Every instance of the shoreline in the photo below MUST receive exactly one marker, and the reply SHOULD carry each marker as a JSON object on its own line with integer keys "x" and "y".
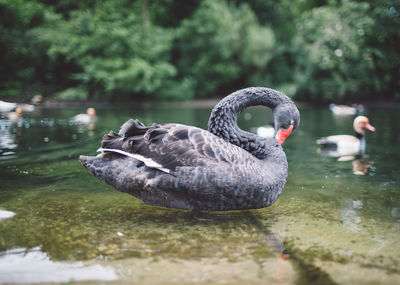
{"x": 198, "y": 103}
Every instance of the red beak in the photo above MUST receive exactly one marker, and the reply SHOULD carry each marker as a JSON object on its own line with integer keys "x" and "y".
{"x": 370, "y": 128}
{"x": 281, "y": 135}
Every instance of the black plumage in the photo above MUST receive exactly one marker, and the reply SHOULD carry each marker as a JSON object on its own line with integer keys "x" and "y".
{"x": 179, "y": 166}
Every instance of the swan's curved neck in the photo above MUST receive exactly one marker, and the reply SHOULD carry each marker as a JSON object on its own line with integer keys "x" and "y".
{"x": 223, "y": 119}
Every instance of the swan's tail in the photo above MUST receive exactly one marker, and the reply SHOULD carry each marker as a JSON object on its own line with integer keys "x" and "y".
{"x": 129, "y": 143}
{"x": 132, "y": 128}
{"x": 112, "y": 140}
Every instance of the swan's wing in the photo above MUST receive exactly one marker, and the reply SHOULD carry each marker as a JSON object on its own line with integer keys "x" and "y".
{"x": 173, "y": 145}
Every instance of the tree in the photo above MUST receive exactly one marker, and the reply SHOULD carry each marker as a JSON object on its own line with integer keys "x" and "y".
{"x": 335, "y": 60}
{"x": 222, "y": 45}
{"x": 115, "y": 47}
{"x": 22, "y": 55}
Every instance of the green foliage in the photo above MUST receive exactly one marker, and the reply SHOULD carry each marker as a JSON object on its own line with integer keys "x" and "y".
{"x": 384, "y": 41}
{"x": 314, "y": 50}
{"x": 220, "y": 44}
{"x": 21, "y": 55}
{"x": 73, "y": 93}
{"x": 114, "y": 52}
{"x": 335, "y": 61}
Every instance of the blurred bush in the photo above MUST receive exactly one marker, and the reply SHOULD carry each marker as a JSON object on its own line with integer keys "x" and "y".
{"x": 317, "y": 51}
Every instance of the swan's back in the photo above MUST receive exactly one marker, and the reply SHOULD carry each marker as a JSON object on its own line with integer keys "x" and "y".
{"x": 190, "y": 168}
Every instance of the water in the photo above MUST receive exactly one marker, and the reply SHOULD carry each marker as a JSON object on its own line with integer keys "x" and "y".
{"x": 59, "y": 224}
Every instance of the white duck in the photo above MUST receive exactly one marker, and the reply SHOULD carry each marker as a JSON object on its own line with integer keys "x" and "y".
{"x": 87, "y": 118}
{"x": 14, "y": 116}
{"x": 267, "y": 131}
{"x": 36, "y": 100}
{"x": 344, "y": 110}
{"x": 343, "y": 145}
{"x": 7, "y": 106}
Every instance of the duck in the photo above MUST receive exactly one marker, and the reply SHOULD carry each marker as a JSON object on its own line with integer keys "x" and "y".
{"x": 7, "y": 106}
{"x": 347, "y": 145}
{"x": 344, "y": 110}
{"x": 87, "y": 118}
{"x": 223, "y": 168}
{"x": 26, "y": 107}
{"x": 267, "y": 131}
{"x": 14, "y": 116}
{"x": 36, "y": 100}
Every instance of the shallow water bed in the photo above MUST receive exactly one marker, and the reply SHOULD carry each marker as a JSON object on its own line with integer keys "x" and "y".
{"x": 328, "y": 227}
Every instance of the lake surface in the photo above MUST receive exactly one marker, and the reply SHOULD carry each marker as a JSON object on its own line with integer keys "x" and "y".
{"x": 60, "y": 224}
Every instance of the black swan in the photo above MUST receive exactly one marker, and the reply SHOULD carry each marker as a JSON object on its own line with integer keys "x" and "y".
{"x": 185, "y": 167}
{"x": 343, "y": 145}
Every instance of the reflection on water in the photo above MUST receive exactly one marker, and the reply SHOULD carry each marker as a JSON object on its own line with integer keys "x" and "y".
{"x": 20, "y": 265}
{"x": 7, "y": 138}
{"x": 361, "y": 166}
{"x": 328, "y": 227}
{"x": 6, "y": 214}
{"x": 349, "y": 216}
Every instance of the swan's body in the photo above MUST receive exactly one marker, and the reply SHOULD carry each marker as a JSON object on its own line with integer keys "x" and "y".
{"x": 344, "y": 145}
{"x": 179, "y": 166}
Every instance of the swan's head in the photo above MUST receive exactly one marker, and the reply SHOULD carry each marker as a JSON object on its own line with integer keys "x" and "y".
{"x": 287, "y": 119}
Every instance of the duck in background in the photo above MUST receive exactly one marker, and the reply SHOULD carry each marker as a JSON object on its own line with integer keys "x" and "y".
{"x": 267, "y": 131}
{"x": 344, "y": 110}
{"x": 87, "y": 118}
{"x": 36, "y": 100}
{"x": 26, "y": 107}
{"x": 14, "y": 116}
{"x": 346, "y": 145}
{"x": 7, "y": 106}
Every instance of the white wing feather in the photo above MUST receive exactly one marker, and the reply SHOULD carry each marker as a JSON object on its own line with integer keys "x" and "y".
{"x": 147, "y": 161}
